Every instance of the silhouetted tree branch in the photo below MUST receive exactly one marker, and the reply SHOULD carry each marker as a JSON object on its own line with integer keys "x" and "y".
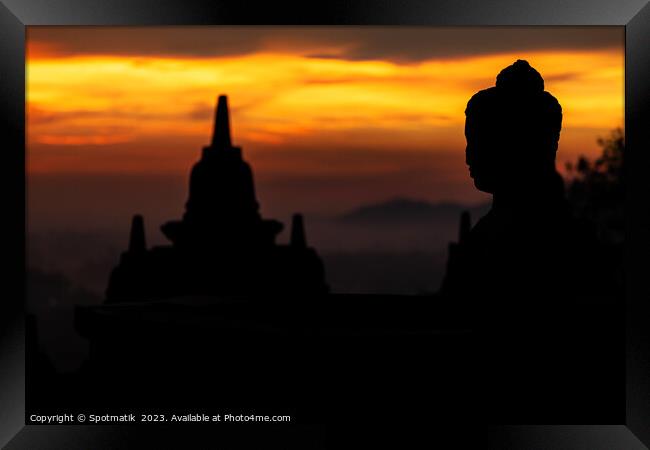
{"x": 596, "y": 191}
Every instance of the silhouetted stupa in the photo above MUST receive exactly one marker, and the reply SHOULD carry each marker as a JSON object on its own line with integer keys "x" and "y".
{"x": 222, "y": 245}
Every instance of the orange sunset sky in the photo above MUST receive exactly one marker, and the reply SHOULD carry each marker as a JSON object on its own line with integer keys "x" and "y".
{"x": 330, "y": 118}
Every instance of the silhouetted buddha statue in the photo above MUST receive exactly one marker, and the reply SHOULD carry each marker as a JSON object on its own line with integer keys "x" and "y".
{"x": 528, "y": 273}
{"x": 528, "y": 245}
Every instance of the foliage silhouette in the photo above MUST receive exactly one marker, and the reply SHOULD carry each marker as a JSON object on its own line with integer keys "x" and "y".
{"x": 596, "y": 188}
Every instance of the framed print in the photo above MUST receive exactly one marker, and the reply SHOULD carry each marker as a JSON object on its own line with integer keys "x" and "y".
{"x": 285, "y": 225}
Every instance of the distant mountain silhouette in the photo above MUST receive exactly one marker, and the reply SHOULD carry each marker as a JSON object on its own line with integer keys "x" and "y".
{"x": 406, "y": 210}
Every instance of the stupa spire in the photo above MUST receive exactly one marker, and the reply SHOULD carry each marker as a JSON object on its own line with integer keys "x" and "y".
{"x": 137, "y": 242}
{"x": 465, "y": 227}
{"x": 221, "y": 132}
{"x": 298, "y": 238}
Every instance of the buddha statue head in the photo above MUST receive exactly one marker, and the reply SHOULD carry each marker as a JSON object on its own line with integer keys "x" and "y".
{"x": 512, "y": 131}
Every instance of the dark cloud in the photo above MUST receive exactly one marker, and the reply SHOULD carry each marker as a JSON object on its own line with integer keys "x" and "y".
{"x": 145, "y": 41}
{"x": 323, "y": 56}
{"x": 398, "y": 44}
{"x": 201, "y": 112}
{"x": 568, "y": 76}
{"x": 38, "y": 116}
{"x": 408, "y": 45}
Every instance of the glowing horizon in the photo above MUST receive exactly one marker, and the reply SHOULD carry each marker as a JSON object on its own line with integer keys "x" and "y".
{"x": 298, "y": 109}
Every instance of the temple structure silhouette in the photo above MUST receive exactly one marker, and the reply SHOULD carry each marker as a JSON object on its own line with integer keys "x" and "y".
{"x": 221, "y": 245}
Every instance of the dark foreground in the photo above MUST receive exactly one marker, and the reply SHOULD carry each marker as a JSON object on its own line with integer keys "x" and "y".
{"x": 346, "y": 360}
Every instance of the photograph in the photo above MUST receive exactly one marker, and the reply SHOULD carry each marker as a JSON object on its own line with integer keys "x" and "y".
{"x": 325, "y": 224}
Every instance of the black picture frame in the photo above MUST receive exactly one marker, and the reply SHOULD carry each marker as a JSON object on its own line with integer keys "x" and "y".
{"x": 634, "y": 15}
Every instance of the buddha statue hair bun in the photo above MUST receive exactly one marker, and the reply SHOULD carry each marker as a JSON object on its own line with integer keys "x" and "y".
{"x": 519, "y": 106}
{"x": 520, "y": 79}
